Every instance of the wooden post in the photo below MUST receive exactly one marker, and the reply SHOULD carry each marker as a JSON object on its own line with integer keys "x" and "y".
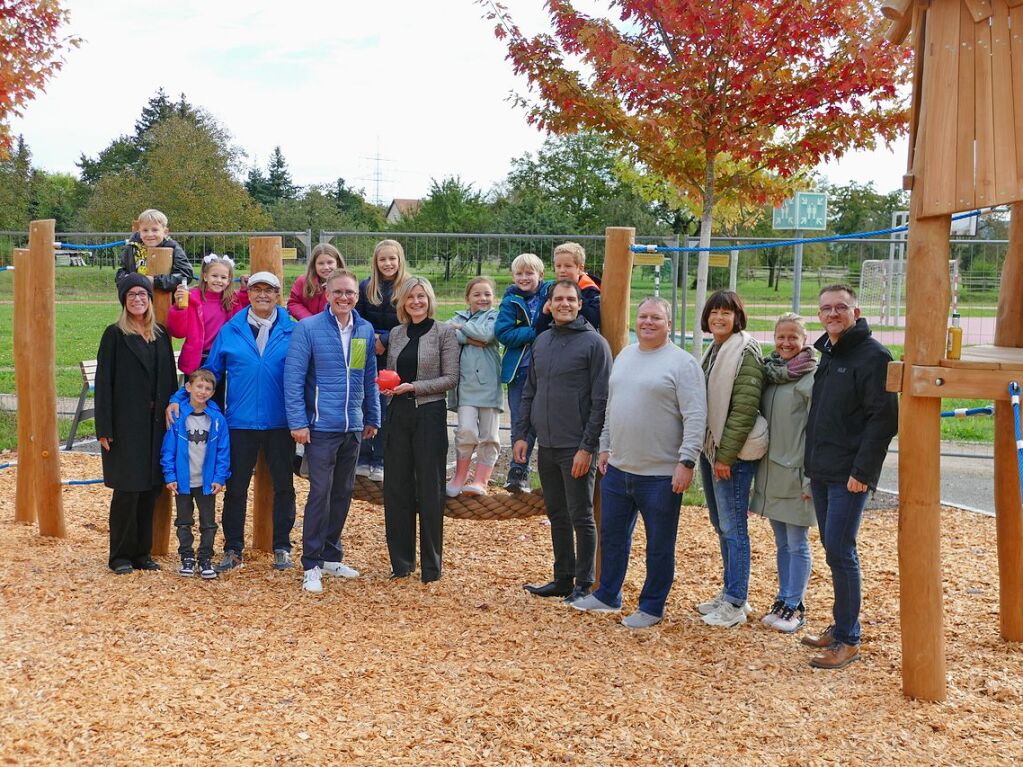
{"x": 615, "y": 308}
{"x": 1008, "y": 513}
{"x": 159, "y": 261}
{"x": 920, "y": 603}
{"x": 25, "y": 495}
{"x": 264, "y": 256}
{"x": 616, "y": 286}
{"x": 42, "y": 379}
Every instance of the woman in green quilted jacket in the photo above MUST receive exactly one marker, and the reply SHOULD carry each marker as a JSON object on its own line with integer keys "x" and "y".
{"x": 736, "y": 439}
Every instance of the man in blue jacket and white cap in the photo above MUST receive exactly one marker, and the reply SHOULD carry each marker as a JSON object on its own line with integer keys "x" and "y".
{"x": 250, "y": 349}
{"x": 333, "y": 404}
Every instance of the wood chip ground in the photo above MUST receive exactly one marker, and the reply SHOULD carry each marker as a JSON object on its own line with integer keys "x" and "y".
{"x": 156, "y": 669}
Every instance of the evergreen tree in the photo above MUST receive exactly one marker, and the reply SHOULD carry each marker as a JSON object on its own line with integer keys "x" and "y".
{"x": 258, "y": 187}
{"x": 15, "y": 195}
{"x": 278, "y": 177}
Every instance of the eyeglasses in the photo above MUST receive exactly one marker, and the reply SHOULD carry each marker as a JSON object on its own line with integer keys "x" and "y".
{"x": 133, "y": 294}
{"x": 836, "y": 309}
{"x": 344, "y": 293}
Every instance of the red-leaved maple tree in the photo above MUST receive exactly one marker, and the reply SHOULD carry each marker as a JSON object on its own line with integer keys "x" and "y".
{"x": 726, "y": 99}
{"x": 30, "y": 47}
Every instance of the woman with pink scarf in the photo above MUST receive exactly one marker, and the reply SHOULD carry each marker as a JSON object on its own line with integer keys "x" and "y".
{"x": 782, "y": 490}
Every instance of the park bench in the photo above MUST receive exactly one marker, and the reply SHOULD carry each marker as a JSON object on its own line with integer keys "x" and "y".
{"x": 83, "y": 413}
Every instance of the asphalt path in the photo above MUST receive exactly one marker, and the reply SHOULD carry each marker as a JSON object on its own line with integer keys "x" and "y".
{"x": 967, "y": 476}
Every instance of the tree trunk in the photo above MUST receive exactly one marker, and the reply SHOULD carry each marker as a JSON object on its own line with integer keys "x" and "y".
{"x": 702, "y": 268}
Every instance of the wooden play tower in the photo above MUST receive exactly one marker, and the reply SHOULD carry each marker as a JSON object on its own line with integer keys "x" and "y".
{"x": 966, "y": 152}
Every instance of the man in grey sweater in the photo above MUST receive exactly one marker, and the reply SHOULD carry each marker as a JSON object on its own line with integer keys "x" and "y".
{"x": 563, "y": 401}
{"x": 653, "y": 431}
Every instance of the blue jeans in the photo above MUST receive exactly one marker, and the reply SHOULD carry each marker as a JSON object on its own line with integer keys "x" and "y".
{"x": 728, "y": 504}
{"x": 794, "y": 561}
{"x": 514, "y": 398}
{"x": 622, "y": 495}
{"x": 838, "y": 516}
{"x": 371, "y": 452}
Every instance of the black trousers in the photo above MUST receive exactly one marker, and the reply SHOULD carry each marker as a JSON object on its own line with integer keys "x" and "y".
{"x": 415, "y": 456}
{"x": 569, "y": 502}
{"x": 183, "y": 521}
{"x": 131, "y": 526}
{"x": 279, "y": 448}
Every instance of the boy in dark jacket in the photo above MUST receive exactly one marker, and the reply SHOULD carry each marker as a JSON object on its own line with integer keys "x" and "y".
{"x": 152, "y": 233}
{"x": 196, "y": 460}
{"x": 570, "y": 264}
{"x": 517, "y": 327}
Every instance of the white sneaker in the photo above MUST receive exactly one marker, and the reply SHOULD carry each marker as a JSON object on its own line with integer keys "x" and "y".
{"x": 362, "y": 470}
{"x": 727, "y": 615}
{"x": 311, "y": 582}
{"x": 377, "y": 474}
{"x": 706, "y": 608}
{"x": 339, "y": 570}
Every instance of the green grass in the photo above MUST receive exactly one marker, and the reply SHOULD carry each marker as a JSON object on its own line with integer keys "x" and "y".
{"x": 9, "y": 430}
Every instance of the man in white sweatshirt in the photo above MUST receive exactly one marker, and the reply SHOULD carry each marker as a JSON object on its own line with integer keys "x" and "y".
{"x": 653, "y": 430}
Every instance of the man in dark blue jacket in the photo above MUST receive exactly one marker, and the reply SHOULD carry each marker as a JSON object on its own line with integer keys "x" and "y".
{"x": 852, "y": 420}
{"x": 250, "y": 349}
{"x": 333, "y": 404}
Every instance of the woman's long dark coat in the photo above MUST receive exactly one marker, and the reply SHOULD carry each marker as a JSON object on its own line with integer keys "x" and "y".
{"x": 128, "y": 412}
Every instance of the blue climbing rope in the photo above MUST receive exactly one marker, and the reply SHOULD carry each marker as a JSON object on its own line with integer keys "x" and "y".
{"x": 962, "y": 412}
{"x": 83, "y": 246}
{"x": 781, "y": 243}
{"x": 63, "y": 481}
{"x": 1014, "y": 398}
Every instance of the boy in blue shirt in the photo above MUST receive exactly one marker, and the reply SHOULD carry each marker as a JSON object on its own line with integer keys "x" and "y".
{"x": 570, "y": 264}
{"x": 196, "y": 461}
{"x": 518, "y": 318}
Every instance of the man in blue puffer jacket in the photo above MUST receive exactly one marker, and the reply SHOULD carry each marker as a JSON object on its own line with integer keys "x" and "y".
{"x": 332, "y": 404}
{"x": 250, "y": 349}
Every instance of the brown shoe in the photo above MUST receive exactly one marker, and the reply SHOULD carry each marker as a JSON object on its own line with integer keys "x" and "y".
{"x": 837, "y": 656}
{"x": 822, "y": 640}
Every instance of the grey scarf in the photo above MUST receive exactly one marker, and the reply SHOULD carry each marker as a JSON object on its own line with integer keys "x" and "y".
{"x": 263, "y": 327}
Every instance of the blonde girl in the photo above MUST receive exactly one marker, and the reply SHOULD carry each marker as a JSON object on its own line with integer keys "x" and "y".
{"x": 478, "y": 398}
{"x": 376, "y": 305}
{"x": 307, "y": 297}
{"x": 212, "y": 303}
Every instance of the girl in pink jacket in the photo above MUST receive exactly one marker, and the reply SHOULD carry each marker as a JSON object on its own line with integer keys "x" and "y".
{"x": 210, "y": 305}
{"x": 307, "y": 297}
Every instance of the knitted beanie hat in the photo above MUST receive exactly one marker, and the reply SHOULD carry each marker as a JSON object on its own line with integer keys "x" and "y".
{"x": 133, "y": 280}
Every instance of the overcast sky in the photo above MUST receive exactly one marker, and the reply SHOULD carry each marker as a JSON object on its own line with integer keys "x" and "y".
{"x": 422, "y": 85}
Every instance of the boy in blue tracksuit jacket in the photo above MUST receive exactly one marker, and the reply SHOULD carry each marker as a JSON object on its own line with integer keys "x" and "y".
{"x": 250, "y": 351}
{"x": 196, "y": 462}
{"x": 518, "y": 318}
{"x": 332, "y": 403}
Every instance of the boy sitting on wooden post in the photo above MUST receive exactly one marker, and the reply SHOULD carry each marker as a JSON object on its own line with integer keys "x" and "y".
{"x": 152, "y": 233}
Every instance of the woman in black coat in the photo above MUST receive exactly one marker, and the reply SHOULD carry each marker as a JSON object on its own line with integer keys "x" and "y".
{"x": 135, "y": 378}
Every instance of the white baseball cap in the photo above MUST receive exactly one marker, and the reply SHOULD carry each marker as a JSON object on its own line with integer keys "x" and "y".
{"x": 267, "y": 278}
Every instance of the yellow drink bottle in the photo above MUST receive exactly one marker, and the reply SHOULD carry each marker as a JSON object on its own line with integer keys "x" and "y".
{"x": 183, "y": 300}
{"x": 954, "y": 340}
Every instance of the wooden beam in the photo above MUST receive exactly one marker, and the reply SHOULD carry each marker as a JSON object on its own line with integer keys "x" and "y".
{"x": 43, "y": 379}
{"x": 966, "y": 383}
{"x": 159, "y": 261}
{"x": 1008, "y": 510}
{"x": 893, "y": 382}
{"x": 25, "y": 495}
{"x": 264, "y": 256}
{"x": 1006, "y": 179}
